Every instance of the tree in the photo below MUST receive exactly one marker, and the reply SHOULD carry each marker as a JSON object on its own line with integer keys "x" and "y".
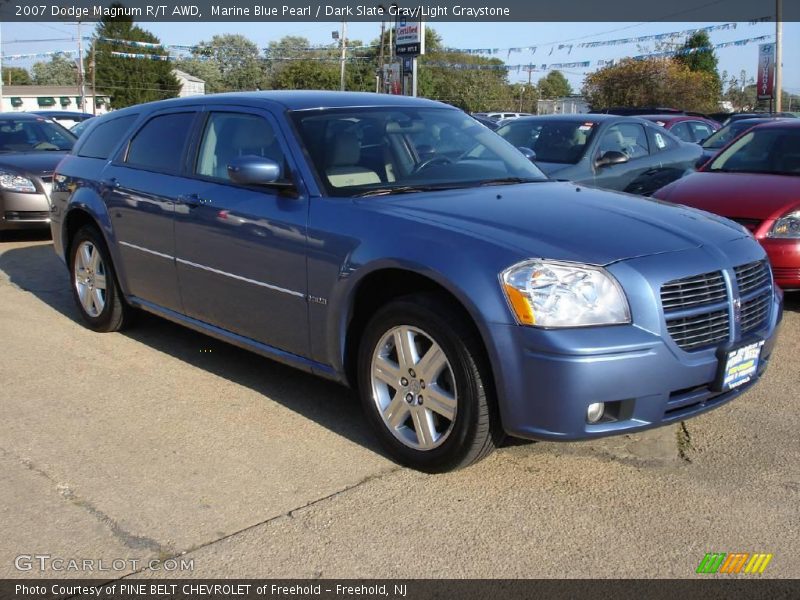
{"x": 699, "y": 56}
{"x": 651, "y": 82}
{"x": 554, "y": 85}
{"x": 16, "y": 76}
{"x": 131, "y": 80}
{"x": 239, "y": 61}
{"x": 59, "y": 71}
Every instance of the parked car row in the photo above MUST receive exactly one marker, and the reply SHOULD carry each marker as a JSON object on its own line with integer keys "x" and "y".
{"x": 398, "y": 246}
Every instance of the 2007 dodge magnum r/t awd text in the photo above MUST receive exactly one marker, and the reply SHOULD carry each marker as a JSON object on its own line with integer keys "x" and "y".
{"x": 398, "y": 246}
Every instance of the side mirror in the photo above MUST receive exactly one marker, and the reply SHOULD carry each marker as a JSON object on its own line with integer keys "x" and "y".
{"x": 528, "y": 152}
{"x": 612, "y": 157}
{"x": 255, "y": 170}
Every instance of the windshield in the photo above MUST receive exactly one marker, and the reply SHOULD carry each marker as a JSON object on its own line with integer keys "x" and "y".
{"x": 33, "y": 135}
{"x": 727, "y": 134}
{"x": 552, "y": 141}
{"x": 404, "y": 149}
{"x": 770, "y": 150}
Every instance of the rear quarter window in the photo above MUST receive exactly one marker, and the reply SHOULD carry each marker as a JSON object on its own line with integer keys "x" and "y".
{"x": 159, "y": 144}
{"x": 103, "y": 138}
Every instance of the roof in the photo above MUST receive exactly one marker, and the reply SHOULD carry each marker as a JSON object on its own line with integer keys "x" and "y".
{"x": 44, "y": 90}
{"x": 187, "y": 77}
{"x": 575, "y": 118}
{"x": 21, "y": 116}
{"x": 65, "y": 114}
{"x": 777, "y": 124}
{"x": 295, "y": 100}
{"x": 668, "y": 118}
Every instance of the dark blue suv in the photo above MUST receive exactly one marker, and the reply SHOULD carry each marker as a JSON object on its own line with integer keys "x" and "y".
{"x": 398, "y": 246}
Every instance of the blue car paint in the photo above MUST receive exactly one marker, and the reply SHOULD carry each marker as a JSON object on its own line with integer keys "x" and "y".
{"x": 462, "y": 240}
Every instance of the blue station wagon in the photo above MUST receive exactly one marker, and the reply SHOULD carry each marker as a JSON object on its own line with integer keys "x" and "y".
{"x": 399, "y": 247}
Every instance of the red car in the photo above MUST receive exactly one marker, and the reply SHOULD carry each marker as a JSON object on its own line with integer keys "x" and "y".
{"x": 687, "y": 128}
{"x": 755, "y": 181}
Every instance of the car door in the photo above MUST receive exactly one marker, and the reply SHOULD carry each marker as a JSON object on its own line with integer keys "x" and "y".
{"x": 140, "y": 187}
{"x": 629, "y": 138}
{"x": 241, "y": 250}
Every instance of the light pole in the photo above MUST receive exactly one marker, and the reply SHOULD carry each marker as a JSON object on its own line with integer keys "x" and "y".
{"x": 344, "y": 55}
{"x": 778, "y": 53}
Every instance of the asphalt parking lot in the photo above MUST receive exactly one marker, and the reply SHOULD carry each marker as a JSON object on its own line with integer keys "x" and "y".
{"x": 159, "y": 442}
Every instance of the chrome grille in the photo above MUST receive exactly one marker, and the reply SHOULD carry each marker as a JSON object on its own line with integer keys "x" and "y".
{"x": 754, "y": 312}
{"x": 752, "y": 276}
{"x": 696, "y": 331}
{"x": 693, "y": 291}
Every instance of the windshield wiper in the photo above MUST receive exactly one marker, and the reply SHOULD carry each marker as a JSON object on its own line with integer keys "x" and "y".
{"x": 402, "y": 189}
{"x": 509, "y": 181}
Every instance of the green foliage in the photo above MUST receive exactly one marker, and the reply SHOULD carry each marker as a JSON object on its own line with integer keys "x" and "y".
{"x": 238, "y": 62}
{"x": 470, "y": 89}
{"x": 653, "y": 82}
{"x": 16, "y": 76}
{"x": 704, "y": 61}
{"x": 554, "y": 85}
{"x": 58, "y": 71}
{"x": 131, "y": 81}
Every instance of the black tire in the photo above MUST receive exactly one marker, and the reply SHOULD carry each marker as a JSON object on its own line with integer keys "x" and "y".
{"x": 116, "y": 313}
{"x": 475, "y": 429}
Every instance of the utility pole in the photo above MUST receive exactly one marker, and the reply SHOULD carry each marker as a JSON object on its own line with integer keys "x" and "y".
{"x": 80, "y": 69}
{"x": 380, "y": 60}
{"x": 94, "y": 79}
{"x": 1, "y": 71}
{"x": 344, "y": 55}
{"x": 778, "y": 53}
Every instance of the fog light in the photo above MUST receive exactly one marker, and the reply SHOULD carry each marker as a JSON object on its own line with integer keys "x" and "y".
{"x": 595, "y": 412}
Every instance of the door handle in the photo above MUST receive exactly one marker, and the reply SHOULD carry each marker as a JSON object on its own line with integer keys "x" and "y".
{"x": 111, "y": 182}
{"x": 190, "y": 200}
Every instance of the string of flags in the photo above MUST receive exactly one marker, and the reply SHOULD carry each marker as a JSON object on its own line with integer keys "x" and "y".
{"x": 269, "y": 55}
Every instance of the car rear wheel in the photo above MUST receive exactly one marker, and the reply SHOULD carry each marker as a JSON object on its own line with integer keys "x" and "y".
{"x": 425, "y": 385}
{"x": 94, "y": 283}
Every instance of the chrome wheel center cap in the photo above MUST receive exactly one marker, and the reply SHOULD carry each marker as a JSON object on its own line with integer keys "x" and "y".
{"x": 415, "y": 387}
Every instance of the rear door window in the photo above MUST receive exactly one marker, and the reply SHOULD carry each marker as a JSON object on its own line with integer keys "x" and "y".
{"x": 159, "y": 145}
{"x": 628, "y": 138}
{"x": 682, "y": 131}
{"x": 700, "y": 130}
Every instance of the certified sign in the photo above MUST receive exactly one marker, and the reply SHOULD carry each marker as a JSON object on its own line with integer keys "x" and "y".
{"x": 766, "y": 71}
{"x": 410, "y": 37}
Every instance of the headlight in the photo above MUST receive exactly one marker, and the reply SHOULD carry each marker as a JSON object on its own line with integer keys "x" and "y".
{"x": 16, "y": 183}
{"x": 559, "y": 294}
{"x": 787, "y": 227}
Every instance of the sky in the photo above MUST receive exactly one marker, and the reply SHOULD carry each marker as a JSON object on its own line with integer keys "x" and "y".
{"x": 15, "y": 38}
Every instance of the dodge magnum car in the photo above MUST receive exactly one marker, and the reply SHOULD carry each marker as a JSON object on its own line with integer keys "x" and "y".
{"x": 397, "y": 246}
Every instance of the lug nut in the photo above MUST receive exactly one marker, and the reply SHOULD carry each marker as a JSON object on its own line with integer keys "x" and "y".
{"x": 409, "y": 398}
{"x": 412, "y": 373}
{"x": 419, "y": 400}
{"x": 422, "y": 383}
{"x": 404, "y": 382}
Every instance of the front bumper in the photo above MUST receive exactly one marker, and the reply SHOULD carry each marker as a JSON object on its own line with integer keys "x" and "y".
{"x": 24, "y": 211}
{"x": 546, "y": 379}
{"x": 784, "y": 256}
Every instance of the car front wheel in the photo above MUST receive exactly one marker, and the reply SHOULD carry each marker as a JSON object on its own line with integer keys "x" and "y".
{"x": 425, "y": 385}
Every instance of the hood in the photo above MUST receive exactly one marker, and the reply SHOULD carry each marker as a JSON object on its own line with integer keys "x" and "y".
{"x": 566, "y": 222}
{"x": 745, "y": 195}
{"x": 35, "y": 163}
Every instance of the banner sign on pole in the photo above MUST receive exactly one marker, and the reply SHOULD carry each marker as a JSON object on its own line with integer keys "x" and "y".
{"x": 766, "y": 71}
